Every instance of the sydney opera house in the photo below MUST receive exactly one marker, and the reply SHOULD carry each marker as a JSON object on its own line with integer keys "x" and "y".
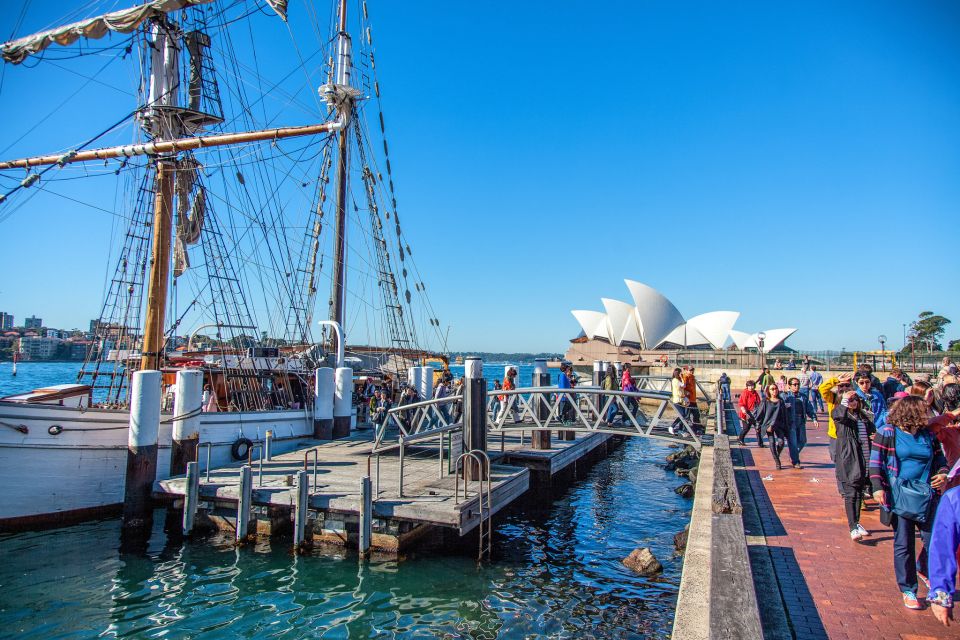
{"x": 653, "y": 323}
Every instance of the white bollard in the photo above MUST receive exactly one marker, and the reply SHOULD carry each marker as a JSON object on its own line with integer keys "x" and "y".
{"x": 324, "y": 388}
{"x": 141, "y": 448}
{"x": 342, "y": 401}
{"x": 425, "y": 388}
{"x": 187, "y": 404}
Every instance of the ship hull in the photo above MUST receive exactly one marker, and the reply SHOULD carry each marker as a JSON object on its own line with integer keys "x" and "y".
{"x": 52, "y": 479}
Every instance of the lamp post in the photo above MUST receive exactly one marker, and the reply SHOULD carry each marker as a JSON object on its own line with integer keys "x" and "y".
{"x": 760, "y": 338}
{"x": 882, "y": 339}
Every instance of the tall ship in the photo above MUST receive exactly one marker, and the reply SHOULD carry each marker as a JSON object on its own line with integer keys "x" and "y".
{"x": 234, "y": 215}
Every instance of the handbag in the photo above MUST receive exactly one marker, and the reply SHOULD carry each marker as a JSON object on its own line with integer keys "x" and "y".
{"x": 912, "y": 499}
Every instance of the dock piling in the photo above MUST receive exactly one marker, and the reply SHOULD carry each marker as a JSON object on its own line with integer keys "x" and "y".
{"x": 267, "y": 441}
{"x": 366, "y": 515}
{"x": 342, "y": 402}
{"x": 141, "y": 448}
{"x": 474, "y": 416}
{"x": 191, "y": 497}
{"x": 244, "y": 502}
{"x": 323, "y": 392}
{"x": 187, "y": 405}
{"x": 300, "y": 516}
{"x": 541, "y": 378}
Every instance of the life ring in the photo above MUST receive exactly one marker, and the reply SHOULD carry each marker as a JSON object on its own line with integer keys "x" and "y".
{"x": 241, "y": 449}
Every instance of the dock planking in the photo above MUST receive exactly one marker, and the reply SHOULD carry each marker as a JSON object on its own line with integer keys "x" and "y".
{"x": 429, "y": 497}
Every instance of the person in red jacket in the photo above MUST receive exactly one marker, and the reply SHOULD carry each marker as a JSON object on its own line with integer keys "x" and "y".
{"x": 749, "y": 400}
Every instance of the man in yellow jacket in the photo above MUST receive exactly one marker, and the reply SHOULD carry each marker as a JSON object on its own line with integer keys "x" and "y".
{"x": 831, "y": 391}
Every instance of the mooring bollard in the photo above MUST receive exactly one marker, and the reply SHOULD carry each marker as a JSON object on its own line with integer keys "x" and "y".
{"x": 366, "y": 516}
{"x": 474, "y": 417}
{"x": 301, "y": 503}
{"x": 141, "y": 448}
{"x": 425, "y": 388}
{"x": 323, "y": 393}
{"x": 191, "y": 497}
{"x": 541, "y": 378}
{"x": 342, "y": 402}
{"x": 244, "y": 501}
{"x": 267, "y": 441}
{"x": 187, "y": 405}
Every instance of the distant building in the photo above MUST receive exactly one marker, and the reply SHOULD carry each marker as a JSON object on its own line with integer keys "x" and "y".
{"x": 6, "y": 321}
{"x": 32, "y": 322}
{"x": 79, "y": 349}
{"x": 37, "y": 348}
{"x": 56, "y": 333}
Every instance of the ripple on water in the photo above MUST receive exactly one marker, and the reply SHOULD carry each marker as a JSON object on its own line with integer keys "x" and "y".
{"x": 557, "y": 572}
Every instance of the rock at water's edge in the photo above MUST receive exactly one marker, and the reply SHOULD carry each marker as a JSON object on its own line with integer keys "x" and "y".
{"x": 685, "y": 490}
{"x": 680, "y": 539}
{"x": 643, "y": 562}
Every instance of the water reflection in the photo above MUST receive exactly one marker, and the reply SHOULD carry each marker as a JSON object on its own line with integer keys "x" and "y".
{"x": 556, "y": 572}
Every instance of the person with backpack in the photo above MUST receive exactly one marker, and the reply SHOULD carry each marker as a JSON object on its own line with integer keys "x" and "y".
{"x": 907, "y": 469}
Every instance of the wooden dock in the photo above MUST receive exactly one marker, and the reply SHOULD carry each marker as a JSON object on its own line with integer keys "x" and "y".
{"x": 334, "y": 497}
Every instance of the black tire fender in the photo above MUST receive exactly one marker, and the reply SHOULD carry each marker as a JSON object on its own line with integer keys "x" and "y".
{"x": 241, "y": 448}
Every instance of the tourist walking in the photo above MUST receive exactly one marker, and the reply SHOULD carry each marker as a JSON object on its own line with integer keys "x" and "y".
{"x": 774, "y": 421}
{"x": 897, "y": 381}
{"x": 690, "y": 387}
{"x": 610, "y": 383}
{"x": 942, "y": 558}
{"x": 495, "y": 405}
{"x": 800, "y": 409}
{"x": 816, "y": 379}
{"x": 831, "y": 391}
{"x": 678, "y": 397}
{"x": 724, "y": 383}
{"x": 851, "y": 461}
{"x": 765, "y": 379}
{"x": 627, "y": 384}
{"x": 746, "y": 410}
{"x": 907, "y": 468}
{"x": 782, "y": 384}
{"x": 509, "y": 402}
{"x": 873, "y": 399}
{"x": 566, "y": 399}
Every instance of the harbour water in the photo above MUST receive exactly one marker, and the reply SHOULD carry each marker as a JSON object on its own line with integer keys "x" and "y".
{"x": 556, "y": 571}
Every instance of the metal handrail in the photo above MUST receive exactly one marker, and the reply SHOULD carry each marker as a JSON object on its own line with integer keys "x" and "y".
{"x": 591, "y": 418}
{"x": 256, "y": 445}
{"x": 426, "y": 413}
{"x": 209, "y": 446}
{"x": 316, "y": 460}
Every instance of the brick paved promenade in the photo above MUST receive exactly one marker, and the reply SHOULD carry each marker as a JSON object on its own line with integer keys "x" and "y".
{"x": 829, "y": 586}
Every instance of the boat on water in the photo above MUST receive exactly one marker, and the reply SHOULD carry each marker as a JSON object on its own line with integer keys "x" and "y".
{"x": 226, "y": 215}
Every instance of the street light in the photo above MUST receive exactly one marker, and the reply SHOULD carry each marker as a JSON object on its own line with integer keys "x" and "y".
{"x": 882, "y": 339}
{"x": 760, "y": 338}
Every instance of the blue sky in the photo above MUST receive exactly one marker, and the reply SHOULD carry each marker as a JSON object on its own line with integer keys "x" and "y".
{"x": 796, "y": 162}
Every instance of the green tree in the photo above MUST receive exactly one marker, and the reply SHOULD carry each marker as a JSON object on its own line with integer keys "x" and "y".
{"x": 954, "y": 345}
{"x": 929, "y": 327}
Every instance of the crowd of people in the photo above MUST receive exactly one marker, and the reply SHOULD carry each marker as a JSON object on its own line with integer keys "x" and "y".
{"x": 894, "y": 443}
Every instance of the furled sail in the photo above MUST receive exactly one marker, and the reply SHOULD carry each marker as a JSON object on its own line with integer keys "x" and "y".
{"x": 190, "y": 212}
{"x": 123, "y": 21}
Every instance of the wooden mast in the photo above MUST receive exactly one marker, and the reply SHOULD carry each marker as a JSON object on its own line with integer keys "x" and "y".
{"x": 152, "y": 353}
{"x": 345, "y": 102}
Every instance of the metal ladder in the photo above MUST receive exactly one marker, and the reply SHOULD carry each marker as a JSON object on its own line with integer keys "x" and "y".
{"x": 483, "y": 499}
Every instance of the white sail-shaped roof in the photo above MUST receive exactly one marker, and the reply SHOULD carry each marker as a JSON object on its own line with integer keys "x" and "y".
{"x": 685, "y": 336}
{"x": 657, "y": 315}
{"x": 593, "y": 323}
{"x": 743, "y": 339}
{"x": 775, "y": 338}
{"x": 714, "y": 327}
{"x": 623, "y": 321}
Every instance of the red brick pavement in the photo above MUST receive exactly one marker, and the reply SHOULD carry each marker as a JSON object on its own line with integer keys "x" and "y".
{"x": 831, "y": 586}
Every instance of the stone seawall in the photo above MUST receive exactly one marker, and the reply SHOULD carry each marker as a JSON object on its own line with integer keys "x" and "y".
{"x": 717, "y": 598}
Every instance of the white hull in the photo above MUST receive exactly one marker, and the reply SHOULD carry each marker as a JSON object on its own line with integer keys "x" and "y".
{"x": 80, "y": 471}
